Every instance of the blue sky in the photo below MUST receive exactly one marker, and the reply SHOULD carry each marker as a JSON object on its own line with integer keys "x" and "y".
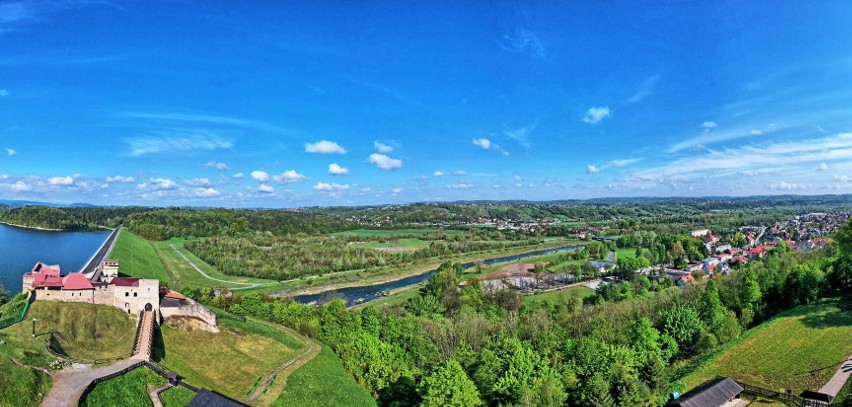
{"x": 321, "y": 103}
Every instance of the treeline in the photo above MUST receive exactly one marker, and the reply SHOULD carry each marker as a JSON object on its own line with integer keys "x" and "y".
{"x": 69, "y": 218}
{"x": 266, "y": 255}
{"x": 164, "y": 224}
{"x": 455, "y": 345}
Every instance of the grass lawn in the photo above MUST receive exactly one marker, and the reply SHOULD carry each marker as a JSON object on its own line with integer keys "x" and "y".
{"x": 138, "y": 259}
{"x": 799, "y": 349}
{"x": 394, "y": 232}
{"x": 84, "y": 331}
{"x": 557, "y": 296}
{"x": 19, "y": 385}
{"x": 176, "y": 397}
{"x": 187, "y": 276}
{"x": 625, "y": 252}
{"x": 130, "y": 389}
{"x": 323, "y": 382}
{"x": 232, "y": 361}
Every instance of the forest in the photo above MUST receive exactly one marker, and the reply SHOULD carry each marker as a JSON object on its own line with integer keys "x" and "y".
{"x": 265, "y": 255}
{"x": 465, "y": 345}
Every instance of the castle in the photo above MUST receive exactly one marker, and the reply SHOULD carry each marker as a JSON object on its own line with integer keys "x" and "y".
{"x": 104, "y": 286}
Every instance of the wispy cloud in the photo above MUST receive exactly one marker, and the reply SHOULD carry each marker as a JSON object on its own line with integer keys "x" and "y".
{"x": 645, "y": 90}
{"x": 707, "y": 137}
{"x": 206, "y": 192}
{"x": 623, "y": 163}
{"x": 592, "y": 169}
{"x": 520, "y": 134}
{"x": 11, "y": 153}
{"x": 212, "y": 119}
{"x": 438, "y": 173}
{"x": 486, "y": 144}
{"x": 596, "y": 114}
{"x": 382, "y": 147}
{"x": 322, "y": 186}
{"x": 460, "y": 185}
{"x": 4, "y": 93}
{"x": 158, "y": 184}
{"x": 215, "y": 165}
{"x": 176, "y": 140}
{"x": 523, "y": 41}
{"x": 459, "y": 173}
{"x": 198, "y": 182}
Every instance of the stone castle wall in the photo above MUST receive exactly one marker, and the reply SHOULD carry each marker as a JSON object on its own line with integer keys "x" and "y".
{"x": 194, "y": 310}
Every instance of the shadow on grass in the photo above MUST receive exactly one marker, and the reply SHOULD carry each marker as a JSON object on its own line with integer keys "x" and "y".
{"x": 158, "y": 346}
{"x": 828, "y": 313}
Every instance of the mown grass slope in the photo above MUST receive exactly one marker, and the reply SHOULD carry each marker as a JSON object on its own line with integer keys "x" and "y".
{"x": 799, "y": 349}
{"x": 20, "y": 385}
{"x": 130, "y": 389}
{"x": 176, "y": 397}
{"x": 137, "y": 258}
{"x": 323, "y": 382}
{"x": 232, "y": 361}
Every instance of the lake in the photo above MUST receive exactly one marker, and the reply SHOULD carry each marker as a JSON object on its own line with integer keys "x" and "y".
{"x": 21, "y": 248}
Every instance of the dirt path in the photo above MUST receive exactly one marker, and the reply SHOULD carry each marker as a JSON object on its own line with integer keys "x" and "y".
{"x": 247, "y": 285}
{"x": 69, "y": 384}
{"x": 281, "y": 373}
{"x": 154, "y": 393}
{"x": 839, "y": 379}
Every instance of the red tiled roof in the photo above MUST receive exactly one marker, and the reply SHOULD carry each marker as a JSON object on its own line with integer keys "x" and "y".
{"x": 76, "y": 281}
{"x": 125, "y": 282}
{"x": 176, "y": 295}
{"x": 46, "y": 276}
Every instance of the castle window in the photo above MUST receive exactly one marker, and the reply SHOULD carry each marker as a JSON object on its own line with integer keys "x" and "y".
{"x": 126, "y": 294}
{"x": 134, "y": 294}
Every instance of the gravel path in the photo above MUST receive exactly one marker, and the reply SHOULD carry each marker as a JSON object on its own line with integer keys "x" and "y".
{"x": 69, "y": 384}
{"x": 840, "y": 377}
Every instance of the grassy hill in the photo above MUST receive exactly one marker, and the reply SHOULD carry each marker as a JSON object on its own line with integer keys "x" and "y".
{"x": 799, "y": 349}
{"x": 138, "y": 258}
{"x": 323, "y": 381}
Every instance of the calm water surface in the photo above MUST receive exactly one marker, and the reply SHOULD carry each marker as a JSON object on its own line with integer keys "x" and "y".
{"x": 21, "y": 248}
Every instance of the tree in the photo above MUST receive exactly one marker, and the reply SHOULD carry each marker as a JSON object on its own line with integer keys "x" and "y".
{"x": 449, "y": 386}
{"x": 684, "y": 325}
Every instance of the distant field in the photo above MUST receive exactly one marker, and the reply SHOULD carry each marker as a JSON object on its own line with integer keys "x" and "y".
{"x": 557, "y": 296}
{"x": 186, "y": 276}
{"x": 799, "y": 349}
{"x": 407, "y": 244}
{"x": 323, "y": 382}
{"x": 232, "y": 361}
{"x": 394, "y": 232}
{"x": 625, "y": 252}
{"x": 137, "y": 258}
{"x": 130, "y": 389}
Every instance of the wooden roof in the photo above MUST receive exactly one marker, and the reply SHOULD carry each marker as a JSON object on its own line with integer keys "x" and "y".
{"x": 712, "y": 393}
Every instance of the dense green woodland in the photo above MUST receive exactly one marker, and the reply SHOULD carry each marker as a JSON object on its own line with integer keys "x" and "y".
{"x": 469, "y": 346}
{"x": 72, "y": 218}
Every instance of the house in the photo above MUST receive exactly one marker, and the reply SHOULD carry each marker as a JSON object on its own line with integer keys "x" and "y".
{"x": 722, "y": 248}
{"x": 684, "y": 280}
{"x": 757, "y": 252}
{"x": 699, "y": 233}
{"x": 711, "y": 239}
{"x": 718, "y": 392}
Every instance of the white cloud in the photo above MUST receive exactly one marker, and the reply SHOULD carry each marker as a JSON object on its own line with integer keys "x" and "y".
{"x": 238, "y": 175}
{"x": 756, "y": 132}
{"x": 787, "y": 186}
{"x": 198, "y": 182}
{"x": 459, "y": 173}
{"x": 382, "y": 147}
{"x": 707, "y": 138}
{"x": 261, "y": 176}
{"x": 11, "y": 153}
{"x": 61, "y": 181}
{"x": 335, "y": 169}
{"x": 592, "y": 169}
{"x": 438, "y": 173}
{"x": 266, "y": 189}
{"x": 158, "y": 184}
{"x": 217, "y": 166}
{"x": 4, "y": 93}
{"x": 288, "y": 176}
{"x": 176, "y": 140}
{"x": 120, "y": 179}
{"x": 206, "y": 192}
{"x": 708, "y": 125}
{"x": 367, "y": 189}
{"x": 384, "y": 162}
{"x": 595, "y": 114}
{"x": 460, "y": 185}
{"x": 486, "y": 144}
{"x": 482, "y": 142}
{"x": 21, "y": 186}
{"x": 324, "y": 147}
{"x": 322, "y": 186}
{"x": 396, "y": 191}
{"x": 821, "y": 167}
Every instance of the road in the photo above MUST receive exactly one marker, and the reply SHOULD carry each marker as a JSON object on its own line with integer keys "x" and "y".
{"x": 247, "y": 285}
{"x": 840, "y": 377}
{"x": 101, "y": 254}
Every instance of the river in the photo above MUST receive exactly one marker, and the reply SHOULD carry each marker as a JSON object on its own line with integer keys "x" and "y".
{"x": 21, "y": 248}
{"x": 360, "y": 294}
